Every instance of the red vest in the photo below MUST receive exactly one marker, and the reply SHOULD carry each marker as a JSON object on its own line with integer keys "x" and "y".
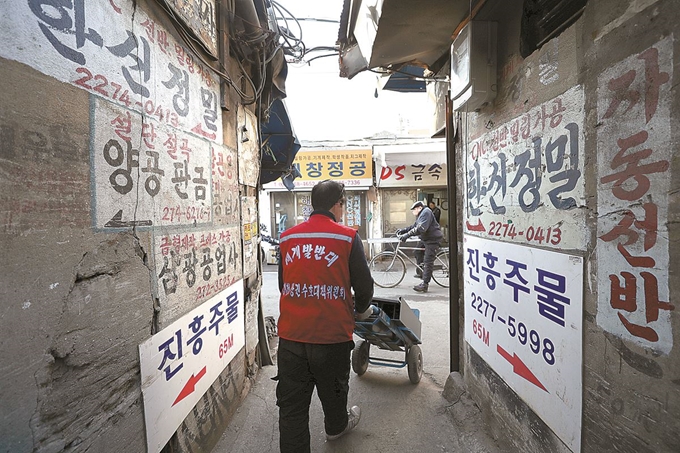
{"x": 316, "y": 301}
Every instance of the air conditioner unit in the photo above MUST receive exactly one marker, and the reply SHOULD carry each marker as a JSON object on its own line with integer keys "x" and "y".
{"x": 473, "y": 66}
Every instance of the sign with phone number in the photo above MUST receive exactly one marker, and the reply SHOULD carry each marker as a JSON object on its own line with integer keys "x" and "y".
{"x": 525, "y": 182}
{"x": 523, "y": 316}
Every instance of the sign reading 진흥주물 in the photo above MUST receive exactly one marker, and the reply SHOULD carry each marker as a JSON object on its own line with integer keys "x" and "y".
{"x": 179, "y": 363}
{"x": 523, "y": 316}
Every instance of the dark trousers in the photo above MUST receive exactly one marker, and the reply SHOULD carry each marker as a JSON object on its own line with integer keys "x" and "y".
{"x": 301, "y": 367}
{"x": 425, "y": 258}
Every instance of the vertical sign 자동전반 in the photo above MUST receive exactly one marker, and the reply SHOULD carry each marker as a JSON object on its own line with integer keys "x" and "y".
{"x": 634, "y": 102}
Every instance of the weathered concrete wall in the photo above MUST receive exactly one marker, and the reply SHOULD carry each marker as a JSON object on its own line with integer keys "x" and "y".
{"x": 94, "y": 248}
{"x": 620, "y": 217}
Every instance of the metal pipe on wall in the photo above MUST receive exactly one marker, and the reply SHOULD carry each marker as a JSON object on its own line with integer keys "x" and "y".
{"x": 454, "y": 290}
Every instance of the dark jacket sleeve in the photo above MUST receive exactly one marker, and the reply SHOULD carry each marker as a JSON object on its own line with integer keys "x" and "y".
{"x": 423, "y": 223}
{"x": 360, "y": 276}
{"x": 280, "y": 274}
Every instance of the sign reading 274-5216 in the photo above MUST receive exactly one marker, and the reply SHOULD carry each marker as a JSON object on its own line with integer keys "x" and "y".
{"x": 523, "y": 315}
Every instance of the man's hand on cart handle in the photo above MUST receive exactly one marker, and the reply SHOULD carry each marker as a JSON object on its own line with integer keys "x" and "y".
{"x": 365, "y": 315}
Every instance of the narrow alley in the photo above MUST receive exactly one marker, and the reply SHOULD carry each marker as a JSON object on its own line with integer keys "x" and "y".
{"x": 396, "y": 415}
{"x": 158, "y": 156}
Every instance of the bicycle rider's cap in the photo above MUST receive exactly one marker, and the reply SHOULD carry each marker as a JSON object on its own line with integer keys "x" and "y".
{"x": 417, "y": 204}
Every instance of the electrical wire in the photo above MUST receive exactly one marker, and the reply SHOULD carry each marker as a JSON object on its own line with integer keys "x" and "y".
{"x": 293, "y": 46}
{"x": 263, "y": 44}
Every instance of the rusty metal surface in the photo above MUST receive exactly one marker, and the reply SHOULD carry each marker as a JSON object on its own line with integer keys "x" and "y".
{"x": 200, "y": 17}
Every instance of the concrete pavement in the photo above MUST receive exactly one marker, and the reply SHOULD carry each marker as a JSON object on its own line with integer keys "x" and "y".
{"x": 396, "y": 414}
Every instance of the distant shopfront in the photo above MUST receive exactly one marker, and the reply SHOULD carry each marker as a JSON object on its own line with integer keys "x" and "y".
{"x": 351, "y": 167}
{"x": 406, "y": 173}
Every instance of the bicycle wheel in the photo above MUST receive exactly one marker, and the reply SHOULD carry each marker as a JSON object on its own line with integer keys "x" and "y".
{"x": 387, "y": 269}
{"x": 440, "y": 269}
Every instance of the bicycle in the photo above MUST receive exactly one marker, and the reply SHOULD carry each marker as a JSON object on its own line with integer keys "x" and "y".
{"x": 388, "y": 268}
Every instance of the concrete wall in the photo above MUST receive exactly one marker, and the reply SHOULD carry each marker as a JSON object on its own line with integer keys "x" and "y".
{"x": 615, "y": 70}
{"x": 88, "y": 273}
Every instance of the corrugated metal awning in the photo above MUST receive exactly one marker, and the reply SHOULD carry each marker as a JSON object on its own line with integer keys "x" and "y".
{"x": 397, "y": 32}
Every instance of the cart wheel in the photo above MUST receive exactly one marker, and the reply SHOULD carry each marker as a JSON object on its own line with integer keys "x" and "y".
{"x": 414, "y": 359}
{"x": 360, "y": 357}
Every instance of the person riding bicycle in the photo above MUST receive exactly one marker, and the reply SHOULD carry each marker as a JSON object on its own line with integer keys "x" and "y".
{"x": 427, "y": 228}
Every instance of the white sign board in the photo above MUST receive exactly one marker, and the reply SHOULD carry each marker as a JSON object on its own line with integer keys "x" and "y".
{"x": 182, "y": 361}
{"x": 523, "y": 316}
{"x": 413, "y": 175}
{"x": 525, "y": 179}
{"x": 634, "y": 105}
{"x": 146, "y": 173}
{"x": 137, "y": 64}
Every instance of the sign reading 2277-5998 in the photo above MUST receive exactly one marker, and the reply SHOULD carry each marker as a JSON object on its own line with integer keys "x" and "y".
{"x": 523, "y": 316}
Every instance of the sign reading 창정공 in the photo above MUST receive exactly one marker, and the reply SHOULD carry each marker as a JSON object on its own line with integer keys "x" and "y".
{"x": 179, "y": 363}
{"x": 523, "y": 316}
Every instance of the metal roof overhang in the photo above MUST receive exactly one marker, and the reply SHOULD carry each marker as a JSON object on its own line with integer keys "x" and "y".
{"x": 410, "y": 154}
{"x": 397, "y": 32}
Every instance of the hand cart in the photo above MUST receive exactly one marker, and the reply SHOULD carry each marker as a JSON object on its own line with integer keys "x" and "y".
{"x": 392, "y": 326}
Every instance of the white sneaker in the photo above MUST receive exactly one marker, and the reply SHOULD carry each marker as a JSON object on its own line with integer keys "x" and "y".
{"x": 353, "y": 416}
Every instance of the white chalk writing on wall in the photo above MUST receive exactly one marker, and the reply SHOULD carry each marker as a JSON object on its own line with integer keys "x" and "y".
{"x": 146, "y": 173}
{"x": 139, "y": 65}
{"x": 193, "y": 266}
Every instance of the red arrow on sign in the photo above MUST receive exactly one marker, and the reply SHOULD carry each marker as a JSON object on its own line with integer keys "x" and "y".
{"x": 519, "y": 368}
{"x": 478, "y": 227}
{"x": 190, "y": 386}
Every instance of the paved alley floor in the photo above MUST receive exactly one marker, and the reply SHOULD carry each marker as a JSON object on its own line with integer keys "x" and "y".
{"x": 397, "y": 416}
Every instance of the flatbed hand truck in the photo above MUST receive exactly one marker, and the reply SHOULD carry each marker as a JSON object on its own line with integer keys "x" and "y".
{"x": 392, "y": 326}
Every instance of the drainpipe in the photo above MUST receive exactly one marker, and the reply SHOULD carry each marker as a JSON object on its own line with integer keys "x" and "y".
{"x": 454, "y": 282}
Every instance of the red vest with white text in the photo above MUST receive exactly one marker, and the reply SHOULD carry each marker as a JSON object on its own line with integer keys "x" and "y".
{"x": 316, "y": 301}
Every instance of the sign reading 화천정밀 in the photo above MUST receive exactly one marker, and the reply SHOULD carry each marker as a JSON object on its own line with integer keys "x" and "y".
{"x": 180, "y": 363}
{"x": 523, "y": 316}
